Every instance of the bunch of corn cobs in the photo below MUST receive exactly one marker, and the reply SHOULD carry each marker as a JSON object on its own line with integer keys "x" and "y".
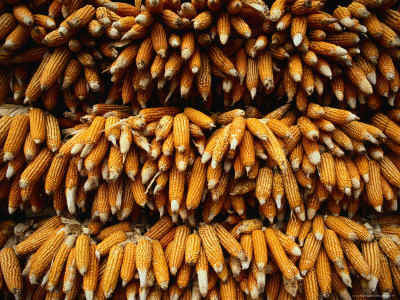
{"x": 218, "y": 149}
{"x": 234, "y": 259}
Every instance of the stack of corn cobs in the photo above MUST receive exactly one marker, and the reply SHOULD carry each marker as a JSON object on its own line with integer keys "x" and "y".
{"x": 334, "y": 257}
{"x": 120, "y": 52}
{"x": 234, "y": 149}
{"x": 113, "y": 164}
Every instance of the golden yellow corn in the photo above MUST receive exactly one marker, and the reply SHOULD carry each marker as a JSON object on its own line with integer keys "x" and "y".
{"x": 390, "y": 249}
{"x": 11, "y": 271}
{"x": 128, "y": 263}
{"x": 114, "y": 238}
{"x": 37, "y": 125}
{"x": 160, "y": 266}
{"x": 15, "y": 138}
{"x": 45, "y": 254}
{"x": 355, "y": 257}
{"x": 309, "y": 254}
{"x": 179, "y": 242}
{"x": 192, "y": 248}
{"x": 70, "y": 272}
{"x": 82, "y": 253}
{"x": 374, "y": 187}
{"x": 288, "y": 244}
{"x": 229, "y": 242}
{"x": 36, "y": 168}
{"x": 212, "y": 248}
{"x": 58, "y": 262}
{"x": 385, "y": 282}
{"x": 90, "y": 278}
{"x": 340, "y": 228}
{"x": 196, "y": 184}
{"x": 285, "y": 265}
{"x": 143, "y": 257}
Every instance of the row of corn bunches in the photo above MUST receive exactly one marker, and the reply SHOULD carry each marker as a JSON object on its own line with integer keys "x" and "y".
{"x": 242, "y": 48}
{"x": 172, "y": 162}
{"x": 329, "y": 257}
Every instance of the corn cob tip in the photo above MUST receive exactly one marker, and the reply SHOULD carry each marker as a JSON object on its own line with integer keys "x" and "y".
{"x": 82, "y": 270}
{"x": 386, "y": 295}
{"x": 164, "y": 285}
{"x": 311, "y": 213}
{"x": 173, "y": 270}
{"x": 10, "y": 171}
{"x": 245, "y": 264}
{"x": 174, "y": 206}
{"x": 8, "y": 156}
{"x": 297, "y": 39}
{"x": 23, "y": 184}
{"x": 202, "y": 277}
{"x": 234, "y": 143}
{"x": 89, "y": 295}
{"x": 8, "y": 44}
{"x": 372, "y": 283}
{"x": 33, "y": 279}
{"x": 142, "y": 278}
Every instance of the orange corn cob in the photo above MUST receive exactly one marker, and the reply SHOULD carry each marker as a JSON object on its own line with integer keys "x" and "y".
{"x": 36, "y": 168}
{"x": 212, "y": 248}
{"x": 11, "y": 271}
{"x": 15, "y": 138}
{"x": 59, "y": 261}
{"x": 390, "y": 249}
{"x": 354, "y": 255}
{"x": 91, "y": 276}
{"x": 192, "y": 248}
{"x": 229, "y": 242}
{"x": 143, "y": 259}
{"x": 160, "y": 265}
{"x": 45, "y": 254}
{"x": 285, "y": 265}
{"x": 112, "y": 239}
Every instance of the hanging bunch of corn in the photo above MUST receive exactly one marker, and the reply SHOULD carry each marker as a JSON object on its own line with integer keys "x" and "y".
{"x": 173, "y": 162}
{"x": 243, "y": 48}
{"x": 330, "y": 256}
{"x": 40, "y": 45}
{"x": 29, "y": 139}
